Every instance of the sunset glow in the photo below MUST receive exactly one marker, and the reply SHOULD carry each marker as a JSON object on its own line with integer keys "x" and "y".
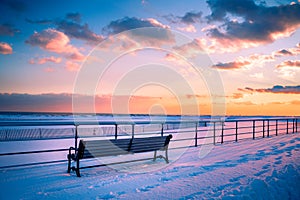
{"x": 253, "y": 46}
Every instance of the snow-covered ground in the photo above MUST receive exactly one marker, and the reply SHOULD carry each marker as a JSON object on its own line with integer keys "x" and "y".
{"x": 266, "y": 168}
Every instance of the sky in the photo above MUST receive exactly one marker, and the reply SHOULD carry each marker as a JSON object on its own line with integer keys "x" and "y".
{"x": 126, "y": 57}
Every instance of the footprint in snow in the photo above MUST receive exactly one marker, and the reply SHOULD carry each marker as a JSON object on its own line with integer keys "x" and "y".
{"x": 261, "y": 172}
{"x": 146, "y": 188}
{"x": 267, "y": 166}
{"x": 237, "y": 179}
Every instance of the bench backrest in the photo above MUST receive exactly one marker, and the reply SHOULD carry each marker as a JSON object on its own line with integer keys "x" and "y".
{"x": 100, "y": 148}
{"x": 149, "y": 144}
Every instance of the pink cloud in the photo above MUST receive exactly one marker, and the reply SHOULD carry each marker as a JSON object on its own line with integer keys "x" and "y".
{"x": 55, "y": 41}
{"x": 260, "y": 59}
{"x": 45, "y": 60}
{"x": 72, "y": 66}
{"x": 288, "y": 52}
{"x": 190, "y": 28}
{"x": 232, "y": 65}
{"x": 175, "y": 59}
{"x": 289, "y": 63}
{"x": 5, "y": 48}
{"x": 237, "y": 95}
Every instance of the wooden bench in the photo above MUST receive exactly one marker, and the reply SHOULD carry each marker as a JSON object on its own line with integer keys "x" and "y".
{"x": 99, "y": 148}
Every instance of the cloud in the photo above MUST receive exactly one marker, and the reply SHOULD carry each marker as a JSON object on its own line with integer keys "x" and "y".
{"x": 237, "y": 96}
{"x": 8, "y": 30}
{"x": 72, "y": 66}
{"x": 191, "y": 49}
{"x": 289, "y": 69}
{"x": 275, "y": 89}
{"x": 40, "y": 21}
{"x": 190, "y": 28}
{"x": 231, "y": 65}
{"x": 176, "y": 60}
{"x": 191, "y": 96}
{"x": 288, "y": 52}
{"x": 70, "y": 25}
{"x": 257, "y": 75}
{"x": 245, "y": 24}
{"x": 245, "y": 103}
{"x": 76, "y": 17}
{"x": 260, "y": 59}
{"x": 38, "y": 102}
{"x": 283, "y": 52}
{"x": 45, "y": 60}
{"x": 5, "y": 48}
{"x": 129, "y": 23}
{"x": 289, "y": 63}
{"x": 138, "y": 33}
{"x": 55, "y": 41}
{"x": 189, "y": 18}
{"x": 62, "y": 102}
{"x": 78, "y": 31}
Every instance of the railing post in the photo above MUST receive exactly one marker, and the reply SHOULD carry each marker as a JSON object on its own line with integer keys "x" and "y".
{"x": 222, "y": 133}
{"x": 196, "y": 134}
{"x": 276, "y": 127}
{"x": 263, "y": 128}
{"x": 214, "y": 133}
{"x": 76, "y": 137}
{"x": 162, "y": 130}
{"x": 287, "y": 126}
{"x": 132, "y": 130}
{"x": 293, "y": 125}
{"x": 268, "y": 133}
{"x": 40, "y": 133}
{"x": 296, "y": 125}
{"x": 116, "y": 131}
{"x": 236, "y": 131}
{"x": 253, "y": 129}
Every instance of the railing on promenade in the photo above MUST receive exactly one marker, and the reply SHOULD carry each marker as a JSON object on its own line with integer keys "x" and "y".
{"x": 185, "y": 133}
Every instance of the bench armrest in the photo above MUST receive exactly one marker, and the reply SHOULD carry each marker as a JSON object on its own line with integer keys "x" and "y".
{"x": 70, "y": 155}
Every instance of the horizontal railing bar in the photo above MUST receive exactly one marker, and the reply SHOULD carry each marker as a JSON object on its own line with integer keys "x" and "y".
{"x": 31, "y": 152}
{"x": 143, "y": 122}
{"x": 177, "y": 140}
{"x": 33, "y": 139}
{"x": 31, "y": 164}
{"x": 233, "y": 134}
{"x": 245, "y": 133}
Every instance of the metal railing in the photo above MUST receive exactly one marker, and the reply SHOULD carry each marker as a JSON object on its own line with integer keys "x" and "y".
{"x": 186, "y": 133}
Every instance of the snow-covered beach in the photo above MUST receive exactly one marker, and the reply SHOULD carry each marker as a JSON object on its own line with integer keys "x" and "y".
{"x": 265, "y": 168}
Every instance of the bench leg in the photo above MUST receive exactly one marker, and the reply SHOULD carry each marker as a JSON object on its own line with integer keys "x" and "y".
{"x": 154, "y": 158}
{"x": 167, "y": 158}
{"x": 69, "y": 163}
{"x": 77, "y": 169}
